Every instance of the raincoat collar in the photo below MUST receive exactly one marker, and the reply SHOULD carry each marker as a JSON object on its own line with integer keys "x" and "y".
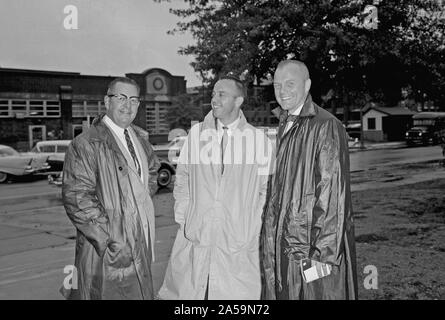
{"x": 209, "y": 121}
{"x": 100, "y": 132}
{"x": 308, "y": 109}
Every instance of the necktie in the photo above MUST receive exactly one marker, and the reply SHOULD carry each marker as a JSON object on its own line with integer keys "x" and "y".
{"x": 291, "y": 118}
{"x": 132, "y": 151}
{"x": 284, "y": 122}
{"x": 224, "y": 141}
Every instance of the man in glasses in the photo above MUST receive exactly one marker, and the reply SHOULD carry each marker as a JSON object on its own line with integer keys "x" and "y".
{"x": 220, "y": 188}
{"x": 307, "y": 242}
{"x": 109, "y": 177}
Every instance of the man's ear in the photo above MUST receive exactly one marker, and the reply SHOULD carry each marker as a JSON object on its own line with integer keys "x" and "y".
{"x": 107, "y": 102}
{"x": 239, "y": 101}
{"x": 307, "y": 85}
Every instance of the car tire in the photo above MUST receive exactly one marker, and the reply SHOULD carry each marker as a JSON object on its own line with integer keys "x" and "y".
{"x": 3, "y": 177}
{"x": 164, "y": 177}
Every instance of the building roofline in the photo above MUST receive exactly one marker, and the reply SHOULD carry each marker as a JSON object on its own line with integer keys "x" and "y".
{"x": 39, "y": 71}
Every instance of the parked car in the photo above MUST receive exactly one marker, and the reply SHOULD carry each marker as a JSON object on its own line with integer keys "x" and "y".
{"x": 171, "y": 150}
{"x": 165, "y": 176}
{"x": 428, "y": 128}
{"x": 56, "y": 179}
{"x": 168, "y": 163}
{"x": 55, "y": 150}
{"x": 14, "y": 163}
{"x": 354, "y": 129}
{"x": 168, "y": 155}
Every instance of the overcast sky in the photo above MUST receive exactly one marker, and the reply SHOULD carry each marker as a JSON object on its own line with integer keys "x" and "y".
{"x": 114, "y": 37}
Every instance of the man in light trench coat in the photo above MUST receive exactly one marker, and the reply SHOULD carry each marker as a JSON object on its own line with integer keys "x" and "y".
{"x": 307, "y": 242}
{"x": 109, "y": 177}
{"x": 219, "y": 193}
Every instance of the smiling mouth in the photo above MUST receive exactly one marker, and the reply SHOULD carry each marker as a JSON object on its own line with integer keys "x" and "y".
{"x": 286, "y": 98}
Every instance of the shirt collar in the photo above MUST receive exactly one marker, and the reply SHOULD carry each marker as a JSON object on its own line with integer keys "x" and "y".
{"x": 297, "y": 112}
{"x": 231, "y": 126}
{"x": 116, "y": 129}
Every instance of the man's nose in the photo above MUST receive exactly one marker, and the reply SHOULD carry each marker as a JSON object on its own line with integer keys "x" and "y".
{"x": 127, "y": 103}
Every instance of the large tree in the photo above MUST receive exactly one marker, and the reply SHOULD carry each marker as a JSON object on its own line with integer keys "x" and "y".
{"x": 345, "y": 57}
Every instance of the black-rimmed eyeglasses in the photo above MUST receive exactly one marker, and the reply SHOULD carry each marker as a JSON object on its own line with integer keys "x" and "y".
{"x": 122, "y": 99}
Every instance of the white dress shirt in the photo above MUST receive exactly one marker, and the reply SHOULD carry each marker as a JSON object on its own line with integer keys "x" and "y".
{"x": 119, "y": 132}
{"x": 295, "y": 113}
{"x": 230, "y": 128}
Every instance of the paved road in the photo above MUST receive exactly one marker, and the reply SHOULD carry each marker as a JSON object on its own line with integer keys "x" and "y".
{"x": 37, "y": 239}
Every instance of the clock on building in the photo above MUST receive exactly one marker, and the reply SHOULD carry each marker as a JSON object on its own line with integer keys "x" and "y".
{"x": 158, "y": 83}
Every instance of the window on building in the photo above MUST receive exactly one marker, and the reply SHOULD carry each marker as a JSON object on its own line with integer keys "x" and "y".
{"x": 82, "y": 109}
{"x": 52, "y": 108}
{"x": 371, "y": 124}
{"x": 18, "y": 108}
{"x": 78, "y": 109}
{"x": 36, "y": 109}
{"x": 29, "y": 108}
{"x": 4, "y": 108}
{"x": 92, "y": 108}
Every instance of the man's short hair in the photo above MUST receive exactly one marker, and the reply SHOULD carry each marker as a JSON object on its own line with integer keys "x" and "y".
{"x": 122, "y": 80}
{"x": 238, "y": 83}
{"x": 301, "y": 66}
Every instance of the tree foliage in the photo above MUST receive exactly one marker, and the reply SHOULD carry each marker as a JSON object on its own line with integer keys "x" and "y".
{"x": 251, "y": 37}
{"x": 184, "y": 110}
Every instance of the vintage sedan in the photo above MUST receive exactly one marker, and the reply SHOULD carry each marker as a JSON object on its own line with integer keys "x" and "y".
{"x": 168, "y": 156}
{"x": 13, "y": 163}
{"x": 55, "y": 150}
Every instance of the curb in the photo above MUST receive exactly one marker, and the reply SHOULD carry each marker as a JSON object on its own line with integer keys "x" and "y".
{"x": 41, "y": 196}
{"x": 377, "y": 147}
{"x": 438, "y": 161}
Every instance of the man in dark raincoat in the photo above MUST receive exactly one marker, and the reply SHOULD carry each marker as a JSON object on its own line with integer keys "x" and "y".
{"x": 108, "y": 178}
{"x": 307, "y": 220}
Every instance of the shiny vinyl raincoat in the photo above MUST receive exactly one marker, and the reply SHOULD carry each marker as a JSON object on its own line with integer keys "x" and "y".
{"x": 103, "y": 196}
{"x": 219, "y": 215}
{"x": 308, "y": 212}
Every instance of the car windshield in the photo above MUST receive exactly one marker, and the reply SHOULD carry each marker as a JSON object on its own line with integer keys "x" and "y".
{"x": 419, "y": 128}
{"x": 7, "y": 152}
{"x": 424, "y": 122}
{"x": 177, "y": 142}
{"x": 51, "y": 148}
{"x": 62, "y": 149}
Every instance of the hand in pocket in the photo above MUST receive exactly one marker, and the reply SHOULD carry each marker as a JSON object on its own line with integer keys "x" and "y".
{"x": 120, "y": 254}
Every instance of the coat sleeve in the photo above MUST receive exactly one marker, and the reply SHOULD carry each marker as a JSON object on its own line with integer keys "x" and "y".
{"x": 153, "y": 167}
{"x": 79, "y": 194}
{"x": 267, "y": 235}
{"x": 181, "y": 191}
{"x": 332, "y": 194}
{"x": 266, "y": 161}
{"x": 267, "y": 248}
